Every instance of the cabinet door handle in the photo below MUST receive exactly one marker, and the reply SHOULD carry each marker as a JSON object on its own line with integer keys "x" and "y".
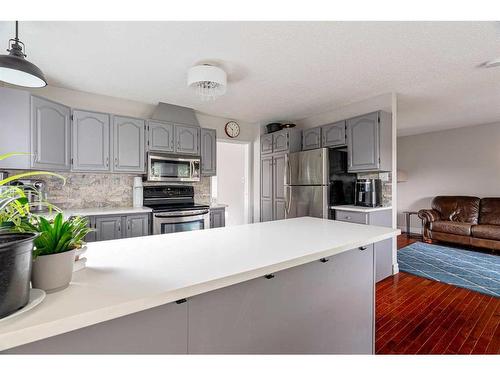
{"x": 269, "y": 276}
{"x": 119, "y": 226}
{"x": 128, "y": 224}
{"x": 107, "y": 161}
{"x": 116, "y": 162}
{"x": 363, "y": 248}
{"x": 183, "y": 300}
{"x": 348, "y": 218}
{"x": 324, "y": 260}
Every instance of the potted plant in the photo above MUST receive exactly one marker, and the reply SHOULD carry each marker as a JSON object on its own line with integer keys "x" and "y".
{"x": 55, "y": 247}
{"x": 16, "y": 245}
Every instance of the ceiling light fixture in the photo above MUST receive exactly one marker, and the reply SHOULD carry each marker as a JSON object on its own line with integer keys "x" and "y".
{"x": 209, "y": 81}
{"x": 16, "y": 70}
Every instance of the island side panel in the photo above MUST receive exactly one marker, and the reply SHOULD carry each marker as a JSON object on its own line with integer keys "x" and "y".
{"x": 319, "y": 307}
{"x": 160, "y": 330}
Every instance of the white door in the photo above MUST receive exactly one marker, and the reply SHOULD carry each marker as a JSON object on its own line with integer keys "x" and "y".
{"x": 232, "y": 179}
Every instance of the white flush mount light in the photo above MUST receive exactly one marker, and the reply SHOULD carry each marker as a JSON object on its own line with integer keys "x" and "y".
{"x": 209, "y": 81}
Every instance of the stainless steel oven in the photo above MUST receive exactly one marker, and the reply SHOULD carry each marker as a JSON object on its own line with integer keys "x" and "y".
{"x": 170, "y": 168}
{"x": 180, "y": 221}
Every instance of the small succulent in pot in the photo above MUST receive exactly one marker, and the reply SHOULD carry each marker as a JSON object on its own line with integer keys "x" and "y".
{"x": 55, "y": 248}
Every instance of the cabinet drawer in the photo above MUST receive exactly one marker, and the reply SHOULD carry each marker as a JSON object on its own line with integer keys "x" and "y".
{"x": 351, "y": 217}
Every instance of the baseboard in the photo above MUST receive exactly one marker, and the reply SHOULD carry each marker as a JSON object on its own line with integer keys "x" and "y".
{"x": 415, "y": 230}
{"x": 395, "y": 268}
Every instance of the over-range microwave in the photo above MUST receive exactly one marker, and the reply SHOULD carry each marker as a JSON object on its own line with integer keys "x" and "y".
{"x": 173, "y": 168}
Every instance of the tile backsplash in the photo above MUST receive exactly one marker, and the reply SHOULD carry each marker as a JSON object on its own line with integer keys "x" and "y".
{"x": 91, "y": 190}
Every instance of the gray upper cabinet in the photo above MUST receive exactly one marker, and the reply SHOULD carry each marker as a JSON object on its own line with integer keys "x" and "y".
{"x": 108, "y": 228}
{"x": 187, "y": 139}
{"x": 311, "y": 139}
{"x": 266, "y": 144}
{"x": 208, "y": 152}
{"x": 128, "y": 152}
{"x": 50, "y": 135}
{"x": 136, "y": 226}
{"x": 280, "y": 141}
{"x": 15, "y": 122}
{"x": 91, "y": 146}
{"x": 333, "y": 135}
{"x": 160, "y": 136}
{"x": 363, "y": 142}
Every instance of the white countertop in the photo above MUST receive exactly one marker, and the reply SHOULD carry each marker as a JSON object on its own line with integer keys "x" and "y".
{"x": 130, "y": 275}
{"x": 218, "y": 205}
{"x": 68, "y": 212}
{"x": 348, "y": 207}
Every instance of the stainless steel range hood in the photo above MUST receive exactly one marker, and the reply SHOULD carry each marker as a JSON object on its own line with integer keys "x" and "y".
{"x": 174, "y": 113}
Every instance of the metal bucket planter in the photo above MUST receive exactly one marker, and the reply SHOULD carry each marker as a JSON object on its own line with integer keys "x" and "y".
{"x": 16, "y": 251}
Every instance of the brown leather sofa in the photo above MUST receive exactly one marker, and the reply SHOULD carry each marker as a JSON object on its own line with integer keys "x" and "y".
{"x": 463, "y": 220}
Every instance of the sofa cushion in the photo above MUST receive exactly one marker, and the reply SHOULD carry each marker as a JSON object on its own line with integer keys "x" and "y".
{"x": 490, "y": 211}
{"x": 453, "y": 227}
{"x": 457, "y": 208}
{"x": 491, "y": 232}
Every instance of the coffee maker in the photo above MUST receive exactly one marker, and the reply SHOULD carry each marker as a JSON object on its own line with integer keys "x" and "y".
{"x": 369, "y": 192}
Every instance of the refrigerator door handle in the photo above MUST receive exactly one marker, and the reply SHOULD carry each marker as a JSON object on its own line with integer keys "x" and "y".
{"x": 288, "y": 200}
{"x": 288, "y": 173}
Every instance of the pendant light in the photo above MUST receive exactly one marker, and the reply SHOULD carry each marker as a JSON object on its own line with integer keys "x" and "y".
{"x": 16, "y": 70}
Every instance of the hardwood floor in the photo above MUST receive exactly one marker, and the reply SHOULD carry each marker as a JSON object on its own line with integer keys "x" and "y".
{"x": 420, "y": 316}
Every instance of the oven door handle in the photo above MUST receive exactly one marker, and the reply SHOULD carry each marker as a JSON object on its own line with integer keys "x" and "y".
{"x": 179, "y": 214}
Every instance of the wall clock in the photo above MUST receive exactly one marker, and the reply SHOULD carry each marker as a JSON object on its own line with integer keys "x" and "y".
{"x": 232, "y": 129}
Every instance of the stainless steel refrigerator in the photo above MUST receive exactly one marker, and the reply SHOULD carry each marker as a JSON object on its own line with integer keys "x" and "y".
{"x": 306, "y": 184}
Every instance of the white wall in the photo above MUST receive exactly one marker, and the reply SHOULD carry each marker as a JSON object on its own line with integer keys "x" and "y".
{"x": 232, "y": 181}
{"x": 464, "y": 161}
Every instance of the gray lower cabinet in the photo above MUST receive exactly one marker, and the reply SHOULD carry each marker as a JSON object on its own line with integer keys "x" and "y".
{"x": 50, "y": 135}
{"x": 128, "y": 139}
{"x": 160, "y": 330}
{"x": 187, "y": 139}
{"x": 383, "y": 249}
{"x": 208, "y": 152}
{"x": 319, "y": 307}
{"x": 108, "y": 228}
{"x": 333, "y": 135}
{"x": 91, "y": 141}
{"x": 160, "y": 136}
{"x": 217, "y": 217}
{"x": 311, "y": 138}
{"x": 266, "y": 188}
{"x": 136, "y": 226}
{"x": 112, "y": 227}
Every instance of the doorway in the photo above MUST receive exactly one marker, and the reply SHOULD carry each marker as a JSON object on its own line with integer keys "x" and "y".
{"x": 231, "y": 185}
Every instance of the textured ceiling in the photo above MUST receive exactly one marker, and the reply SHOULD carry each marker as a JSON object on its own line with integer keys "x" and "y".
{"x": 281, "y": 70}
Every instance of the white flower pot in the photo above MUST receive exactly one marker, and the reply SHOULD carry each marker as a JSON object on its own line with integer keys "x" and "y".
{"x": 53, "y": 272}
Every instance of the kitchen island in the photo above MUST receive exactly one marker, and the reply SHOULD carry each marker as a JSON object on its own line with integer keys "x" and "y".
{"x": 302, "y": 285}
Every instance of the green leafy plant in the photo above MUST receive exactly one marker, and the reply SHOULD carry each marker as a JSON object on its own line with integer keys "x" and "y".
{"x": 58, "y": 235}
{"x": 15, "y": 209}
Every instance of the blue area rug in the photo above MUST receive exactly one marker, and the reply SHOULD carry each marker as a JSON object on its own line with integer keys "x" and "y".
{"x": 464, "y": 268}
